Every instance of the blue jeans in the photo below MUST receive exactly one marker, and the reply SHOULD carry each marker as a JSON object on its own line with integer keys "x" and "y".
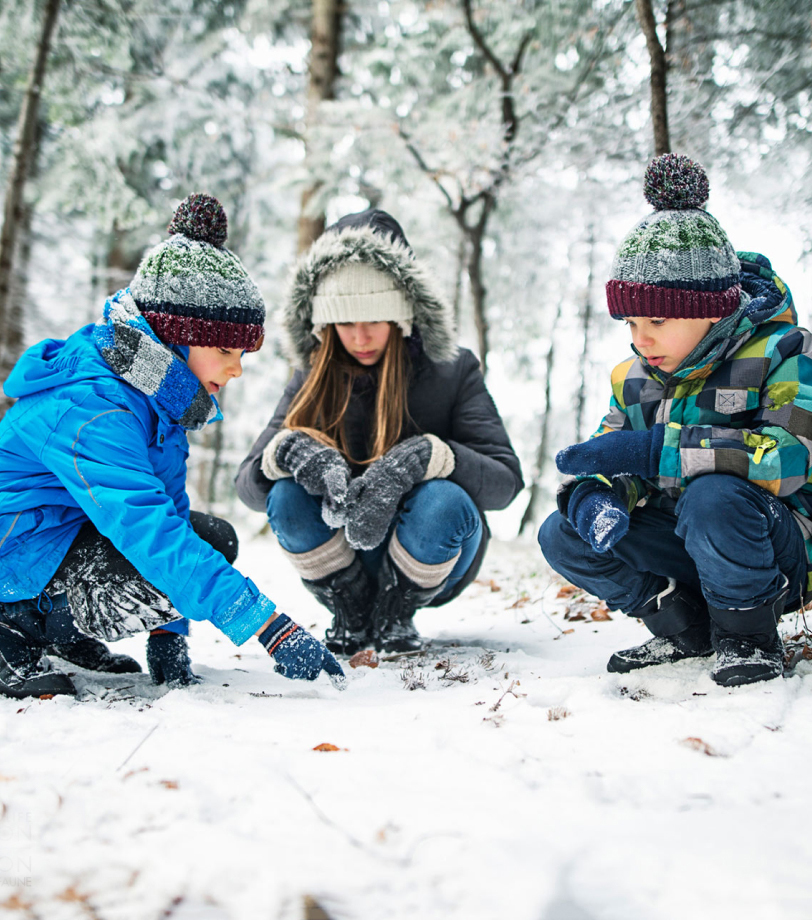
{"x": 727, "y": 539}
{"x": 435, "y": 520}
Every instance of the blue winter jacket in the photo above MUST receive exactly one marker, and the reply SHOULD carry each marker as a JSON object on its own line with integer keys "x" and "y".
{"x": 83, "y": 444}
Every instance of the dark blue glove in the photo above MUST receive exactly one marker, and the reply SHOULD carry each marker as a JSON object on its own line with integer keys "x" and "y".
{"x": 168, "y": 659}
{"x": 299, "y": 655}
{"x": 599, "y": 516}
{"x": 635, "y": 453}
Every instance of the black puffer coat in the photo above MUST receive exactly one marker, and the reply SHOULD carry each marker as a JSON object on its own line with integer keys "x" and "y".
{"x": 447, "y": 396}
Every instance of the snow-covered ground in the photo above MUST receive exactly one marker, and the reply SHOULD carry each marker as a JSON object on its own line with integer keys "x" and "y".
{"x": 504, "y": 773}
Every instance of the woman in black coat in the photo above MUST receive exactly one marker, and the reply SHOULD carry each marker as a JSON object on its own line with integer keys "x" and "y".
{"x": 386, "y": 447}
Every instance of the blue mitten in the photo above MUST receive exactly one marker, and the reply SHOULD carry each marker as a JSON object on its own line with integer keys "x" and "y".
{"x": 598, "y": 515}
{"x": 636, "y": 453}
{"x": 299, "y": 655}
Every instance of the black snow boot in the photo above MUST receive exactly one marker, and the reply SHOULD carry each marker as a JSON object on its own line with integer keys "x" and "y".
{"x": 748, "y": 647}
{"x": 168, "y": 659}
{"x": 24, "y": 669}
{"x": 396, "y": 603}
{"x": 348, "y": 595}
{"x": 681, "y": 627}
{"x": 94, "y": 655}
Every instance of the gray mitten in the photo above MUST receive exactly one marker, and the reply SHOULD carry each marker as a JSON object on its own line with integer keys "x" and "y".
{"x": 373, "y": 498}
{"x": 319, "y": 470}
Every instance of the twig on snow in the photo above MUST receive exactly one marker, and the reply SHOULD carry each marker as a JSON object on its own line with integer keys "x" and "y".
{"x": 140, "y": 743}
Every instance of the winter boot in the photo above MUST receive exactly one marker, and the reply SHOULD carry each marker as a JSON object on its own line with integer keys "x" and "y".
{"x": 24, "y": 669}
{"x": 66, "y": 641}
{"x": 347, "y": 594}
{"x": 679, "y": 621}
{"x": 93, "y": 655}
{"x": 168, "y": 659}
{"x": 396, "y": 602}
{"x": 743, "y": 654}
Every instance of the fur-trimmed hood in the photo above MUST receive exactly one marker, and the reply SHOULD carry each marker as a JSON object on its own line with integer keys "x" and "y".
{"x": 370, "y": 238}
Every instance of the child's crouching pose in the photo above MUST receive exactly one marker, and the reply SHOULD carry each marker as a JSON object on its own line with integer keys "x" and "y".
{"x": 386, "y": 447}
{"x": 96, "y": 537}
{"x": 690, "y": 506}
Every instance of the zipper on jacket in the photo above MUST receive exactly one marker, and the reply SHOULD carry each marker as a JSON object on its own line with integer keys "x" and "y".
{"x": 763, "y": 448}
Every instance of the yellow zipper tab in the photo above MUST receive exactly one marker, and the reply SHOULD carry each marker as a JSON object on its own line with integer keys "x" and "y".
{"x": 762, "y": 449}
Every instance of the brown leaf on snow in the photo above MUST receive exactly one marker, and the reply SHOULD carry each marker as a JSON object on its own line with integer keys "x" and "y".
{"x": 567, "y": 591}
{"x": 601, "y": 613}
{"x": 169, "y": 784}
{"x": 326, "y": 746}
{"x": 575, "y": 615}
{"x": 366, "y": 658}
{"x": 46, "y": 696}
{"x": 702, "y": 746}
{"x": 15, "y": 902}
{"x": 520, "y": 602}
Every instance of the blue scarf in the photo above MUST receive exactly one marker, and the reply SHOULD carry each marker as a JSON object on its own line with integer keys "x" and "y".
{"x": 130, "y": 347}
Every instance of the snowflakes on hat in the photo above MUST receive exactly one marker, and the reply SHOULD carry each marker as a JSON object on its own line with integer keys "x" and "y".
{"x": 675, "y": 183}
{"x": 201, "y": 217}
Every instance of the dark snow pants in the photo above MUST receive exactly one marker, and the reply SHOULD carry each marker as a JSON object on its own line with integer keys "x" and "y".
{"x": 726, "y": 539}
{"x": 103, "y": 592}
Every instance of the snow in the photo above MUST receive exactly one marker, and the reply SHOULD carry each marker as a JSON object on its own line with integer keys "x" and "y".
{"x": 534, "y": 786}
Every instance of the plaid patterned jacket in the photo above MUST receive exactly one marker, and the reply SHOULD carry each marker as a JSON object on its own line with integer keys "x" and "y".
{"x": 744, "y": 409}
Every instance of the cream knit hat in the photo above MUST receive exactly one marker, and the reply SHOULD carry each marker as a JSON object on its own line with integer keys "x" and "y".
{"x": 358, "y": 293}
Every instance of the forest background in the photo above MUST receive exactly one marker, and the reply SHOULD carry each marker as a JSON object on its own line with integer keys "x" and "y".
{"x": 508, "y": 137}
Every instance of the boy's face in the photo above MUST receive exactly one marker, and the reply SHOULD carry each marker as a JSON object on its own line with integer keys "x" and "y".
{"x": 666, "y": 343}
{"x": 214, "y": 367}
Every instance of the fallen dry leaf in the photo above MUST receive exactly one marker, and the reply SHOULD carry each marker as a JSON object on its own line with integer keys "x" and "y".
{"x": 46, "y": 696}
{"x": 574, "y": 616}
{"x": 366, "y": 658}
{"x": 169, "y": 784}
{"x": 567, "y": 591}
{"x": 326, "y": 746}
{"x": 601, "y": 612}
{"x": 699, "y": 745}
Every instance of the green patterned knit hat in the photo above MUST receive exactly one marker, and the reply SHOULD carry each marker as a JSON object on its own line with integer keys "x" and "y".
{"x": 678, "y": 261}
{"x": 192, "y": 290}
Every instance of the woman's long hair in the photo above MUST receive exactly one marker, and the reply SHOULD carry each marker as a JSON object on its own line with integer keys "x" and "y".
{"x": 320, "y": 407}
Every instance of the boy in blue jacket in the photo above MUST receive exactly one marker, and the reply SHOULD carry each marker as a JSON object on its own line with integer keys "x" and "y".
{"x": 690, "y": 506}
{"x": 95, "y": 526}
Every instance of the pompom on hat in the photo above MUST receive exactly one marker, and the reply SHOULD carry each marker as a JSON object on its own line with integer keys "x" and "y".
{"x": 192, "y": 290}
{"x": 678, "y": 261}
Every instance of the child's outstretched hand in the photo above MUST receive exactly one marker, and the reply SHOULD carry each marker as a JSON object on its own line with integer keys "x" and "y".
{"x": 299, "y": 655}
{"x": 634, "y": 453}
{"x": 598, "y": 515}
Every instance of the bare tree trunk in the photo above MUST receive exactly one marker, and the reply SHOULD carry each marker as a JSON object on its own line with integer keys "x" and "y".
{"x": 485, "y": 198}
{"x": 586, "y": 323}
{"x": 659, "y": 72}
{"x": 536, "y": 487}
{"x": 24, "y": 151}
{"x": 324, "y": 49}
{"x": 479, "y": 292}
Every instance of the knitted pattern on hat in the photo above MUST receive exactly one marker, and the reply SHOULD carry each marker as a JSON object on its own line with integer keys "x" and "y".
{"x": 678, "y": 261}
{"x": 193, "y": 291}
{"x": 358, "y": 293}
{"x": 131, "y": 348}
